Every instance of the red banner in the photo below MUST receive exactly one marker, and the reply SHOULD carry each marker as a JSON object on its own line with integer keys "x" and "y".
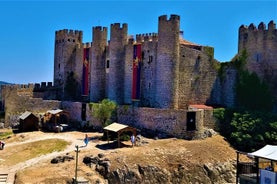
{"x": 85, "y": 72}
{"x": 136, "y": 71}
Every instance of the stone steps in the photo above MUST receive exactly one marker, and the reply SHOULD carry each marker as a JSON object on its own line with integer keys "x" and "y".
{"x": 3, "y": 178}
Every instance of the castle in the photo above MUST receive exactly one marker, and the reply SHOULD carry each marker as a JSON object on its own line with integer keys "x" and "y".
{"x": 161, "y": 73}
{"x": 159, "y": 70}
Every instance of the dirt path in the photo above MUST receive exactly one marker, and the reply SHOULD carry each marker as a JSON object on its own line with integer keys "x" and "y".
{"x": 75, "y": 138}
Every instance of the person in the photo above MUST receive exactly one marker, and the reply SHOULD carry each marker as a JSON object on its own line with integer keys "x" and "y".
{"x": 133, "y": 140}
{"x": 86, "y": 139}
{"x": 2, "y": 144}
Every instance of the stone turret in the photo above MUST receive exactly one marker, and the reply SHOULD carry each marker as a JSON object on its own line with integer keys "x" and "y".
{"x": 118, "y": 41}
{"x": 68, "y": 61}
{"x": 167, "y": 62}
{"x": 98, "y": 64}
{"x": 260, "y": 44}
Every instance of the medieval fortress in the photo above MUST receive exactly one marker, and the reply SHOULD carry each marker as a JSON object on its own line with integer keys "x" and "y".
{"x": 154, "y": 70}
{"x": 158, "y": 75}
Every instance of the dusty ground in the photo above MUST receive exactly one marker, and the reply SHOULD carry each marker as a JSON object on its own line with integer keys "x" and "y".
{"x": 166, "y": 153}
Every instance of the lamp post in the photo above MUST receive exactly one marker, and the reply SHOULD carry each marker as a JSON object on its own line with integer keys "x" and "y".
{"x": 76, "y": 166}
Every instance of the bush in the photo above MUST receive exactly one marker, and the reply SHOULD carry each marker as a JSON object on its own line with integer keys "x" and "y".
{"x": 247, "y": 130}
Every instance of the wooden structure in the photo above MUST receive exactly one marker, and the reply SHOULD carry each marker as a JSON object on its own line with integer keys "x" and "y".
{"x": 28, "y": 122}
{"x": 119, "y": 129}
{"x": 54, "y": 118}
{"x": 262, "y": 167}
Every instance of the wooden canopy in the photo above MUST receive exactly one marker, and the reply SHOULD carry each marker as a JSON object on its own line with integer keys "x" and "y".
{"x": 119, "y": 129}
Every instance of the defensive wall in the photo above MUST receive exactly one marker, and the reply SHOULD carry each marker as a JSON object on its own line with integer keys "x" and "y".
{"x": 260, "y": 44}
{"x": 167, "y": 122}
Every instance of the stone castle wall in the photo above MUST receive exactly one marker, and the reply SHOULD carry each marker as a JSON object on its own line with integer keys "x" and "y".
{"x": 165, "y": 121}
{"x": 117, "y": 45}
{"x": 128, "y": 71}
{"x": 98, "y": 64}
{"x": 166, "y": 82}
{"x": 68, "y": 59}
{"x": 260, "y": 44}
{"x": 16, "y": 103}
{"x": 197, "y": 76}
{"x": 149, "y": 72}
{"x": 172, "y": 74}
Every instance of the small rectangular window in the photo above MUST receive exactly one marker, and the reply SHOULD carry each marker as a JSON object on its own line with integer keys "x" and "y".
{"x": 108, "y": 64}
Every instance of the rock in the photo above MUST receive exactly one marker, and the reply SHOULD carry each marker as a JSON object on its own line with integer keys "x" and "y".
{"x": 60, "y": 159}
{"x": 101, "y": 155}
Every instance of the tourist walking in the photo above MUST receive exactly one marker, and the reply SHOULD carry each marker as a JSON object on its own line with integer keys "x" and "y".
{"x": 133, "y": 140}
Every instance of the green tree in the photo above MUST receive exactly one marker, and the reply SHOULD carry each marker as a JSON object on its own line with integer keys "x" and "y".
{"x": 104, "y": 111}
{"x": 252, "y": 93}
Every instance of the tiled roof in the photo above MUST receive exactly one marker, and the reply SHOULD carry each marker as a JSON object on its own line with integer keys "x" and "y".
{"x": 200, "y": 106}
{"x": 185, "y": 42}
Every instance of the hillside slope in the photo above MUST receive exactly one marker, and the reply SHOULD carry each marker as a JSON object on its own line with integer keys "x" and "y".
{"x": 164, "y": 161}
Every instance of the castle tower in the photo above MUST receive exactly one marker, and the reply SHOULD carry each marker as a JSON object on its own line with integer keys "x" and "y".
{"x": 118, "y": 41}
{"x": 98, "y": 64}
{"x": 167, "y": 62}
{"x": 128, "y": 70}
{"x": 261, "y": 45}
{"x": 68, "y": 66}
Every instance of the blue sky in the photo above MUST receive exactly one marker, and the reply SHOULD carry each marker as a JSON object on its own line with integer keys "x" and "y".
{"x": 28, "y": 27}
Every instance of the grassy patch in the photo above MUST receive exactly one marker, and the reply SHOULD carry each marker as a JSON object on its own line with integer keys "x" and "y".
{"x": 20, "y": 153}
{"x": 5, "y": 133}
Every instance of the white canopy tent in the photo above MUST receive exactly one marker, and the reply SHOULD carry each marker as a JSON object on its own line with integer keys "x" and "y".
{"x": 268, "y": 152}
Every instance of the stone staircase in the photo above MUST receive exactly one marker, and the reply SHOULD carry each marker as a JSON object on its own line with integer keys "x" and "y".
{"x": 6, "y": 178}
{"x": 3, "y": 178}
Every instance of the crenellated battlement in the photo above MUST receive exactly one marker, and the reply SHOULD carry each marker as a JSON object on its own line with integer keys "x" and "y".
{"x": 18, "y": 86}
{"x": 261, "y": 26}
{"x": 171, "y": 18}
{"x": 43, "y": 85}
{"x": 253, "y": 35}
{"x": 66, "y": 35}
{"x": 146, "y": 37}
{"x": 87, "y": 45}
{"x": 260, "y": 43}
{"x": 117, "y": 26}
{"x": 99, "y": 28}
{"x": 131, "y": 39}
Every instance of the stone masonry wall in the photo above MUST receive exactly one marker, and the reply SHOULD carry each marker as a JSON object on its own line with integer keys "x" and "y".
{"x": 117, "y": 45}
{"x": 197, "y": 76}
{"x": 98, "y": 64}
{"x": 167, "y": 62}
{"x": 16, "y": 105}
{"x": 163, "y": 121}
{"x": 148, "y": 72}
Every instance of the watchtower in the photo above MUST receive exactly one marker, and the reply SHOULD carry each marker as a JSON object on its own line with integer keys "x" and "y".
{"x": 68, "y": 61}
{"x": 98, "y": 64}
{"x": 261, "y": 45}
{"x": 118, "y": 41}
{"x": 167, "y": 62}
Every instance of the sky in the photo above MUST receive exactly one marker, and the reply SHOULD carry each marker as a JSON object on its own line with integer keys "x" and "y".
{"x": 28, "y": 28}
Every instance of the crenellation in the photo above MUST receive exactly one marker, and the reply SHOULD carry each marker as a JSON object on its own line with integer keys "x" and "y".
{"x": 87, "y": 45}
{"x": 252, "y": 27}
{"x": 118, "y": 26}
{"x": 174, "y": 17}
{"x": 146, "y": 37}
{"x": 262, "y": 26}
{"x": 66, "y": 35}
{"x": 271, "y": 26}
{"x": 131, "y": 41}
{"x": 163, "y": 18}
